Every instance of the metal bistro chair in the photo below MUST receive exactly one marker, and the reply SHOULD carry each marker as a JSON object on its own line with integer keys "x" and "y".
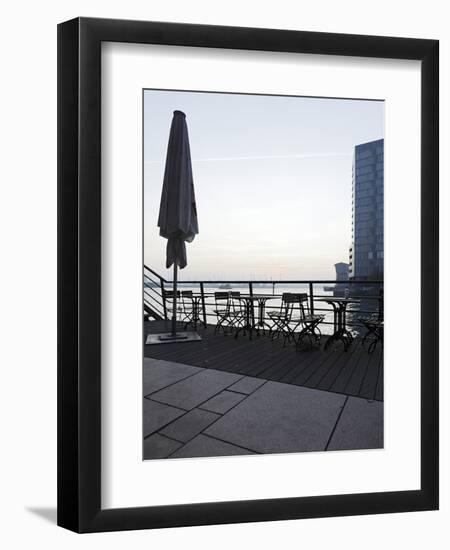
{"x": 310, "y": 324}
{"x": 374, "y": 324}
{"x": 237, "y": 311}
{"x": 222, "y": 310}
{"x": 187, "y": 303}
{"x": 282, "y": 318}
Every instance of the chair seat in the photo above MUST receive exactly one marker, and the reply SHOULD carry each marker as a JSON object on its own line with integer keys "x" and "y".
{"x": 313, "y": 318}
{"x": 372, "y": 320}
{"x": 373, "y": 316}
{"x": 276, "y": 315}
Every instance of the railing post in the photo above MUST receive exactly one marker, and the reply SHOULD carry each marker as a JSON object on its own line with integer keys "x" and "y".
{"x": 163, "y": 296}
{"x": 202, "y": 292}
{"x": 311, "y": 298}
{"x": 250, "y": 290}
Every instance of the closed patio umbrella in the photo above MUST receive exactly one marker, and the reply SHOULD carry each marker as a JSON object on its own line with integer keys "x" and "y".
{"x": 177, "y": 219}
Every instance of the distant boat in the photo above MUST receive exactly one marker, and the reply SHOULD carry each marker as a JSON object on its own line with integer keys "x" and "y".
{"x": 329, "y": 288}
{"x": 225, "y": 286}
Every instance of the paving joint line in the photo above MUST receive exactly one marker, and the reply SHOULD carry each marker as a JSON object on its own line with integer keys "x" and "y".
{"x": 208, "y": 426}
{"x": 336, "y": 423}
{"x": 187, "y": 410}
{"x": 233, "y": 444}
{"x": 148, "y": 398}
{"x": 176, "y": 382}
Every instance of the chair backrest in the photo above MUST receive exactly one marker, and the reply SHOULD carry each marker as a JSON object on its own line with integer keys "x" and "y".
{"x": 284, "y": 303}
{"x": 235, "y": 302}
{"x": 187, "y": 299}
{"x": 288, "y": 301}
{"x": 304, "y": 305}
{"x": 295, "y": 297}
{"x": 220, "y": 298}
{"x": 170, "y": 294}
{"x": 297, "y": 304}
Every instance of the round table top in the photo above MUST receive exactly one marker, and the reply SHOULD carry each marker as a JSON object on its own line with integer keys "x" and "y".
{"x": 254, "y": 296}
{"x": 339, "y": 299}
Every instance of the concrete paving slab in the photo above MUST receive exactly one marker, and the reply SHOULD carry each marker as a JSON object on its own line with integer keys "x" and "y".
{"x": 158, "y": 374}
{"x": 188, "y": 426}
{"x": 157, "y": 415}
{"x": 247, "y": 385}
{"x": 223, "y": 402}
{"x": 159, "y": 446}
{"x": 207, "y": 446}
{"x": 280, "y": 418}
{"x": 192, "y": 391}
{"x": 360, "y": 426}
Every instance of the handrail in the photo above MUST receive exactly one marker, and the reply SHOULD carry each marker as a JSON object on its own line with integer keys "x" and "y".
{"x": 148, "y": 278}
{"x": 162, "y": 280}
{"x": 152, "y": 289}
{"x": 150, "y": 297}
{"x": 155, "y": 307}
{"x": 156, "y": 274}
{"x": 252, "y": 286}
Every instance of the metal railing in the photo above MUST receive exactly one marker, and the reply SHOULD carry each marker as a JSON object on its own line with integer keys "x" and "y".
{"x": 154, "y": 299}
{"x": 366, "y": 291}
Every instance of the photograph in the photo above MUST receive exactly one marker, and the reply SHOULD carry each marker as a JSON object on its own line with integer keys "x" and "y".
{"x": 263, "y": 269}
{"x": 216, "y": 206}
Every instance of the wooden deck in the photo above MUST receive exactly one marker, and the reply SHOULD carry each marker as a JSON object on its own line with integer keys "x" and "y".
{"x": 355, "y": 372}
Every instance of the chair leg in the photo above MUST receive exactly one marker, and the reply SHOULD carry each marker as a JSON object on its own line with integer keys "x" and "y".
{"x": 318, "y": 336}
{"x": 365, "y": 338}
{"x": 219, "y": 325}
{"x": 275, "y": 330}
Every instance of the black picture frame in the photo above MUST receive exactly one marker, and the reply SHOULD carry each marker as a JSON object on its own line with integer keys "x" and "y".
{"x": 79, "y": 274}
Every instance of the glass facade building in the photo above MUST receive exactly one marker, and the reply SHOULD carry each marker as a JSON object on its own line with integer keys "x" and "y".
{"x": 366, "y": 258}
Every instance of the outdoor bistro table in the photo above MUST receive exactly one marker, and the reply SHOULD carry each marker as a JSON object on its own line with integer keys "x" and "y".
{"x": 341, "y": 333}
{"x": 195, "y": 318}
{"x": 250, "y": 324}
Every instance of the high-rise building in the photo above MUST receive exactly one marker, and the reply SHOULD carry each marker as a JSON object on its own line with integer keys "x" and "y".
{"x": 367, "y": 249}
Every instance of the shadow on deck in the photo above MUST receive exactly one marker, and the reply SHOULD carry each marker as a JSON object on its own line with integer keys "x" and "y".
{"x": 354, "y": 372}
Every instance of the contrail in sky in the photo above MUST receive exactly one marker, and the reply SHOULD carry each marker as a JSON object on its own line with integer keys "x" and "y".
{"x": 267, "y": 157}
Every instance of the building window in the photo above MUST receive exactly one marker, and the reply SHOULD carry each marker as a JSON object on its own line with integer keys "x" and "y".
{"x": 370, "y": 255}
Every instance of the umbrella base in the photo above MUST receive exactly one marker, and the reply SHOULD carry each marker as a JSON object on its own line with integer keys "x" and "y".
{"x": 169, "y": 338}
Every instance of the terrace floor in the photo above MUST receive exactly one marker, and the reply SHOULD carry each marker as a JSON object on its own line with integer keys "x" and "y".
{"x": 354, "y": 372}
{"x": 222, "y": 396}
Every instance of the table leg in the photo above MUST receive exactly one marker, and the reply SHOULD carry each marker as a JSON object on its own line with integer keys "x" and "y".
{"x": 197, "y": 314}
{"x": 250, "y": 319}
{"x": 339, "y": 326}
{"x": 346, "y": 332}
{"x": 333, "y": 336}
{"x": 247, "y": 325}
{"x": 261, "y": 312}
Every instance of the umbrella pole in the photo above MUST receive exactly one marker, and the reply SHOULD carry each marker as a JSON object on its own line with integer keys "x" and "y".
{"x": 174, "y": 316}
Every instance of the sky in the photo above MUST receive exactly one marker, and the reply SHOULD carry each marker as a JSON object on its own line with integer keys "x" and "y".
{"x": 272, "y": 178}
